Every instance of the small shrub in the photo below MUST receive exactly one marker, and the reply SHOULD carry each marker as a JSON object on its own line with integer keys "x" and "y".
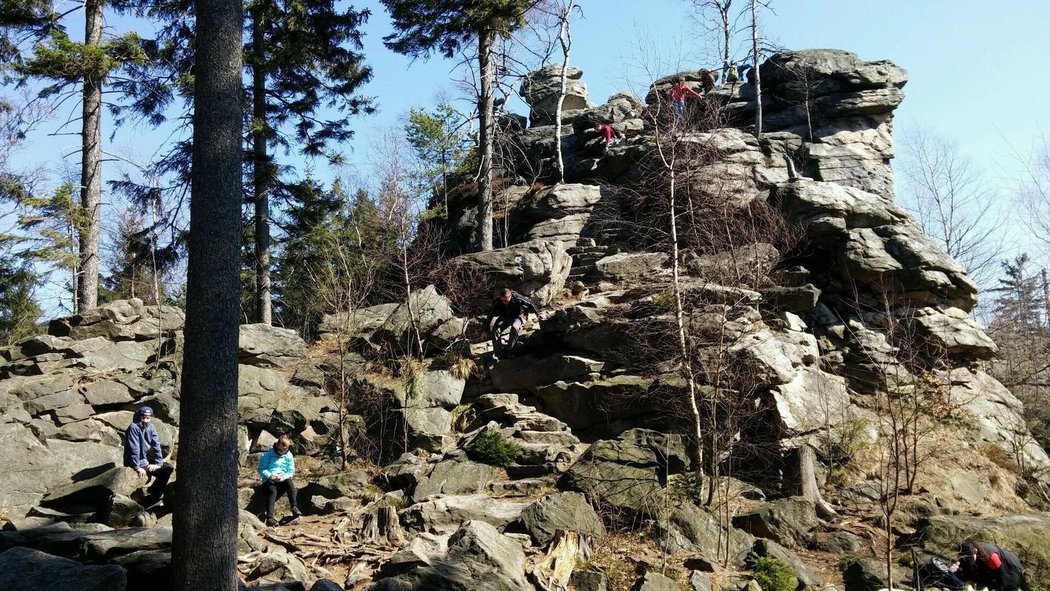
{"x": 492, "y": 448}
{"x": 688, "y": 487}
{"x": 772, "y": 574}
{"x": 665, "y": 299}
{"x": 1000, "y": 457}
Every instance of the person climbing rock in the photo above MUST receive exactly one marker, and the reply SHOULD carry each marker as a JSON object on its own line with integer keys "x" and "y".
{"x": 509, "y": 310}
{"x": 608, "y": 134}
{"x": 277, "y": 468}
{"x": 676, "y": 96}
{"x": 987, "y": 565}
{"x": 144, "y": 454}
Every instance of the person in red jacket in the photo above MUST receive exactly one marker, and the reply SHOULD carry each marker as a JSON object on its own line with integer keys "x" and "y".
{"x": 608, "y": 134}
{"x": 677, "y": 95}
{"x": 988, "y": 565}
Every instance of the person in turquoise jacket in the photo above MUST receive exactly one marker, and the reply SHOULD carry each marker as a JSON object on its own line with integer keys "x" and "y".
{"x": 277, "y": 468}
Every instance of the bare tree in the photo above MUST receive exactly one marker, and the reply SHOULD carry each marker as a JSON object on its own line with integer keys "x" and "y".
{"x": 755, "y": 47}
{"x": 715, "y": 15}
{"x": 953, "y": 203}
{"x": 1034, "y": 192}
{"x": 565, "y": 39}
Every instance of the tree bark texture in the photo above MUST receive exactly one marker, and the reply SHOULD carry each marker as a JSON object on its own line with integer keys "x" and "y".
{"x": 261, "y": 173}
{"x": 90, "y": 167}
{"x": 758, "y": 76}
{"x": 486, "y": 38}
{"x": 204, "y": 543}
{"x": 565, "y": 38}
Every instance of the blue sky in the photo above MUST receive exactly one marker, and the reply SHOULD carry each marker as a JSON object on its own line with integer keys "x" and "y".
{"x": 976, "y": 70}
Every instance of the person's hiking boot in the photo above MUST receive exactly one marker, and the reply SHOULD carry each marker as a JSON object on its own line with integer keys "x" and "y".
{"x": 297, "y": 516}
{"x": 271, "y": 522}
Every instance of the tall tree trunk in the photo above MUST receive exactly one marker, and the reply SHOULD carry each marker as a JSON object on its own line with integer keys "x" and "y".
{"x": 261, "y": 173}
{"x": 90, "y": 167}
{"x": 758, "y": 77}
{"x": 486, "y": 38}
{"x": 204, "y": 542}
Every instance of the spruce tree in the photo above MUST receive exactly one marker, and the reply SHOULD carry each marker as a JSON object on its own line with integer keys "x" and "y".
{"x": 87, "y": 64}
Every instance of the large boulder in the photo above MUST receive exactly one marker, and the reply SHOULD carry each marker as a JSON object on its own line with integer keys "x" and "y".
{"x": 627, "y": 473}
{"x": 120, "y": 320}
{"x": 559, "y": 212}
{"x": 788, "y": 521}
{"x": 537, "y": 268}
{"x": 479, "y": 557}
{"x": 998, "y": 415}
{"x": 453, "y": 477}
{"x": 443, "y": 514}
{"x": 865, "y": 239}
{"x": 693, "y": 529}
{"x": 541, "y": 89}
{"x": 567, "y": 511}
{"x": 269, "y": 346}
{"x": 25, "y": 569}
{"x": 423, "y": 314}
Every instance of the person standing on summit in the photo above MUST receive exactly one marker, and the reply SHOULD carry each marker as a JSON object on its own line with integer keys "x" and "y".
{"x": 509, "y": 310}
{"x": 677, "y": 95}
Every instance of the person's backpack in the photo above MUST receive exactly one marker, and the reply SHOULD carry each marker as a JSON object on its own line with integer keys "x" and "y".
{"x": 936, "y": 573}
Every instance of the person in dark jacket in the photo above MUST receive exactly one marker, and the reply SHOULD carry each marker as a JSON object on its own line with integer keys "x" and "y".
{"x": 988, "y": 565}
{"x": 143, "y": 453}
{"x": 509, "y": 310}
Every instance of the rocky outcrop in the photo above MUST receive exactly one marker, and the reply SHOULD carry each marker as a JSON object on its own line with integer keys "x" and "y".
{"x": 479, "y": 557}
{"x": 541, "y": 90}
{"x": 537, "y": 268}
{"x": 23, "y": 569}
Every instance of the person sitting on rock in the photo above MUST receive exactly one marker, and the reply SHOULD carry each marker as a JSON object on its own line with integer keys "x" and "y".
{"x": 707, "y": 79}
{"x": 143, "y": 453}
{"x": 277, "y": 467}
{"x": 677, "y": 95}
{"x": 509, "y": 310}
{"x": 987, "y": 565}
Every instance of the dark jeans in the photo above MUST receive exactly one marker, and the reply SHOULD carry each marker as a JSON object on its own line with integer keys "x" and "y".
{"x": 274, "y": 490}
{"x": 501, "y": 324}
{"x": 160, "y": 479}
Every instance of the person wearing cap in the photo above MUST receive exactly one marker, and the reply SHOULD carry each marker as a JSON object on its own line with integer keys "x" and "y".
{"x": 988, "y": 565}
{"x": 143, "y": 453}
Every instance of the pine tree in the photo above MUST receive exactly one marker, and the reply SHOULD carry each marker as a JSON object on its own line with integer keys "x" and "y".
{"x": 88, "y": 64}
{"x": 18, "y": 310}
{"x": 440, "y": 146}
{"x": 445, "y": 26}
{"x": 305, "y": 69}
{"x": 1020, "y": 303}
{"x": 303, "y": 57}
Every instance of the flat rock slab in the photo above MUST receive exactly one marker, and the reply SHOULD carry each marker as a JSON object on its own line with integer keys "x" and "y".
{"x": 25, "y": 569}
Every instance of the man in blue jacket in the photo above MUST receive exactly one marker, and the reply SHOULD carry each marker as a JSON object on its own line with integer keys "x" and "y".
{"x": 143, "y": 453}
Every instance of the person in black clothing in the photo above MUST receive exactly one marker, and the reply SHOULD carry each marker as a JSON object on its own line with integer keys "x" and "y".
{"x": 988, "y": 565}
{"x": 509, "y": 310}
